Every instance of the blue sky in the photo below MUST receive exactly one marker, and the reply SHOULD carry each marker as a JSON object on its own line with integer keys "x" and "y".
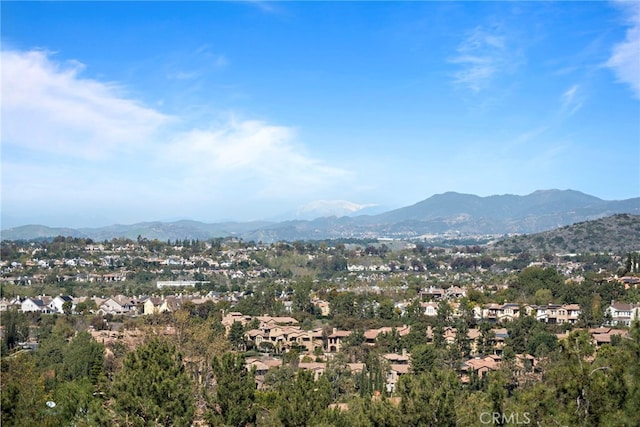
{"x": 120, "y": 112}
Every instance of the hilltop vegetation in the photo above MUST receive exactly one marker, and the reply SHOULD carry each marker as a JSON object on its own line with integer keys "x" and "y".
{"x": 618, "y": 233}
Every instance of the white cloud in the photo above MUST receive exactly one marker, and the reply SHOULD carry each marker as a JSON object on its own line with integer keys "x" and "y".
{"x": 482, "y": 56}
{"x": 49, "y": 107}
{"x": 254, "y": 153}
{"x": 625, "y": 57}
{"x": 78, "y": 141}
{"x": 195, "y": 64}
{"x": 572, "y": 100}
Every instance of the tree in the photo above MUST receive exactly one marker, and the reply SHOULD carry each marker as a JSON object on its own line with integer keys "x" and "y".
{"x": 428, "y": 399}
{"x": 236, "y": 335}
{"x": 234, "y": 394}
{"x": 542, "y": 343}
{"x": 153, "y": 387}
{"x": 386, "y": 309}
{"x": 77, "y": 405}
{"x": 520, "y": 332}
{"x": 23, "y": 395}
{"x": 83, "y": 358}
{"x": 443, "y": 319}
{"x": 85, "y": 307}
{"x": 486, "y": 338}
{"x": 16, "y": 329}
{"x": 462, "y": 338}
{"x": 304, "y": 400}
{"x": 67, "y": 306}
{"x": 423, "y": 358}
{"x": 416, "y": 336}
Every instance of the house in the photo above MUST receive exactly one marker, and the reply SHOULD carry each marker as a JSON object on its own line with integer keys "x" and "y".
{"x": 316, "y": 367}
{"x": 230, "y": 318}
{"x": 335, "y": 340}
{"x": 557, "y": 314}
{"x": 481, "y": 365}
{"x": 276, "y": 320}
{"x": 270, "y": 336}
{"x": 569, "y": 313}
{"x": 547, "y": 313}
{"x": 429, "y": 308}
{"x": 473, "y": 335}
{"x": 622, "y": 314}
{"x": 510, "y": 311}
{"x": 501, "y": 312}
{"x": 8, "y": 304}
{"x": 370, "y": 335}
{"x": 151, "y": 306}
{"x": 311, "y": 340}
{"x": 603, "y": 336}
{"x": 492, "y": 312}
{"x": 323, "y": 306}
{"x": 398, "y": 364}
{"x": 500, "y": 336}
{"x": 262, "y": 366}
{"x": 630, "y": 281}
{"x": 432, "y": 293}
{"x": 397, "y": 359}
{"x": 394, "y": 374}
{"x": 119, "y": 304}
{"x": 35, "y": 305}
{"x": 57, "y": 303}
{"x": 456, "y": 292}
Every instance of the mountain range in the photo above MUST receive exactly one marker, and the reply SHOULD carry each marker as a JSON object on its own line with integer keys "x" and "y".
{"x": 447, "y": 213}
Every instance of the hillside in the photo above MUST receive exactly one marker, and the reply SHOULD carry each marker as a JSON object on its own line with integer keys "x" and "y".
{"x": 618, "y": 233}
{"x": 460, "y": 214}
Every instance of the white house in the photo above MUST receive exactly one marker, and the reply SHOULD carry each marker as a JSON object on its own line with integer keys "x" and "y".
{"x": 430, "y": 308}
{"x": 623, "y": 313}
{"x": 36, "y": 305}
{"x": 57, "y": 303}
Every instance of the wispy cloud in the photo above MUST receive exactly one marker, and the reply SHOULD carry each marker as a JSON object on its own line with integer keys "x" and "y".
{"x": 199, "y": 63}
{"x": 103, "y": 140}
{"x": 483, "y": 55}
{"x": 262, "y": 155}
{"x": 183, "y": 75}
{"x": 625, "y": 56}
{"x": 572, "y": 100}
{"x": 265, "y": 6}
{"x": 48, "y": 107}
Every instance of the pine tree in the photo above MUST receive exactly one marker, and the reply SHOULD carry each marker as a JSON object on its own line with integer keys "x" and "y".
{"x": 234, "y": 396}
{"x": 153, "y": 387}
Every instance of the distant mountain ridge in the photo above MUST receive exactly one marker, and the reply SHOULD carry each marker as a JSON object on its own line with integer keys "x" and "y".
{"x": 442, "y": 213}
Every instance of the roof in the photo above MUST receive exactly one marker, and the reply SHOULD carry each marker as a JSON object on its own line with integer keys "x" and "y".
{"x": 399, "y": 368}
{"x": 623, "y": 306}
{"x": 478, "y": 363}
{"x": 393, "y": 357}
{"x": 278, "y": 320}
{"x": 312, "y": 366}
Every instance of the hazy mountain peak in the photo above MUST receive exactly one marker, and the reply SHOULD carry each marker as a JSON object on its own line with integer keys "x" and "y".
{"x": 325, "y": 208}
{"x": 442, "y": 213}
